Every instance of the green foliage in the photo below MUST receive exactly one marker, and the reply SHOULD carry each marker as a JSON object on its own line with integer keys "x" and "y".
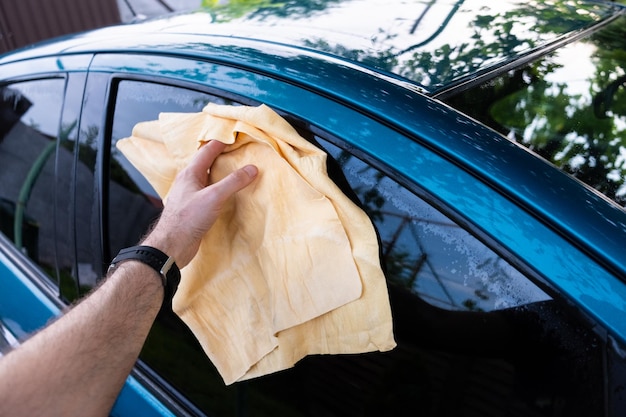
{"x": 227, "y": 10}
{"x": 232, "y": 9}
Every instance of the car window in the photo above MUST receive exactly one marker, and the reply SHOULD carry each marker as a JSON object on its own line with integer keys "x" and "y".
{"x": 467, "y": 323}
{"x": 429, "y": 254}
{"x": 134, "y": 204}
{"x": 171, "y": 349}
{"x": 29, "y": 132}
{"x": 569, "y": 107}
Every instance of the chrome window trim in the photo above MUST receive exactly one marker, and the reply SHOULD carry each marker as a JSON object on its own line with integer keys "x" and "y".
{"x": 8, "y": 341}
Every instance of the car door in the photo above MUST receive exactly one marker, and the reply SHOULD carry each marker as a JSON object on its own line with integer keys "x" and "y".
{"x": 44, "y": 223}
{"x": 480, "y": 329}
{"x": 40, "y": 111}
{"x": 28, "y": 148}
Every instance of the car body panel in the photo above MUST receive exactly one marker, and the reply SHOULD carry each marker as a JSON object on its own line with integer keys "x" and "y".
{"x": 24, "y": 293}
{"x": 58, "y": 63}
{"x": 136, "y": 400}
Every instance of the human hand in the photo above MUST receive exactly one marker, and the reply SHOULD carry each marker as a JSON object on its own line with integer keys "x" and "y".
{"x": 193, "y": 204}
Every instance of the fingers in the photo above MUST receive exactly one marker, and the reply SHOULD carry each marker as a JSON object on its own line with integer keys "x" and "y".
{"x": 199, "y": 209}
{"x": 205, "y": 157}
{"x": 191, "y": 198}
{"x": 234, "y": 182}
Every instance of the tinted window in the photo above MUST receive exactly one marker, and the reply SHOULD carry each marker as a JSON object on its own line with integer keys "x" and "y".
{"x": 467, "y": 322}
{"x": 30, "y": 118}
{"x": 569, "y": 107}
{"x": 429, "y": 254}
{"x": 133, "y": 202}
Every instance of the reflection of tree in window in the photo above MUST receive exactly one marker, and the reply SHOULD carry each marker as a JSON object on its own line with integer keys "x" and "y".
{"x": 575, "y": 119}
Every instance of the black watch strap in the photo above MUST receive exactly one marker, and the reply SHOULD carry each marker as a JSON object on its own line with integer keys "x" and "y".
{"x": 159, "y": 261}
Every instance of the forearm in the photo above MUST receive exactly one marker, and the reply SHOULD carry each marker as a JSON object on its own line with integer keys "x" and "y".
{"x": 76, "y": 366}
{"x": 98, "y": 340}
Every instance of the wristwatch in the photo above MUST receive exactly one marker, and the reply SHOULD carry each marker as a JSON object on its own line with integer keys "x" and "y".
{"x": 159, "y": 261}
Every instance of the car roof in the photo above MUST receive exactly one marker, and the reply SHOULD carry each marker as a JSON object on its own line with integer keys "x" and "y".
{"x": 392, "y": 38}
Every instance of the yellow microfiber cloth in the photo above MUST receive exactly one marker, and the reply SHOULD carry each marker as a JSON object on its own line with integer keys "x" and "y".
{"x": 291, "y": 266}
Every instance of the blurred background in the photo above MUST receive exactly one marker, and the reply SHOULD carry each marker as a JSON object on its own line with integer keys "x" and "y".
{"x": 24, "y": 22}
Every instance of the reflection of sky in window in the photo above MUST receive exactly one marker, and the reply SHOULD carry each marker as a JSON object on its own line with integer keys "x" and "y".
{"x": 49, "y": 116}
{"x": 577, "y": 69}
{"x": 616, "y": 174}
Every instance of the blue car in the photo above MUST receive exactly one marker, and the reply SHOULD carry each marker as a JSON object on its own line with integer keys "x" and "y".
{"x": 485, "y": 140}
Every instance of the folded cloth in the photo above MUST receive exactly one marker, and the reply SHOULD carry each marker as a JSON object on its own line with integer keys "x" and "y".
{"x": 291, "y": 266}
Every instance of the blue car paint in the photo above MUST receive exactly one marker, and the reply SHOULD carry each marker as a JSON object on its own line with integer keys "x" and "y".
{"x": 46, "y": 65}
{"x": 135, "y": 400}
{"x": 28, "y": 308}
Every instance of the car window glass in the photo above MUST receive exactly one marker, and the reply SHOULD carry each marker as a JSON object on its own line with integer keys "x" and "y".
{"x": 466, "y": 322}
{"x": 428, "y": 253}
{"x": 569, "y": 107}
{"x": 30, "y": 119}
{"x": 467, "y": 325}
{"x": 171, "y": 349}
{"x": 134, "y": 204}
